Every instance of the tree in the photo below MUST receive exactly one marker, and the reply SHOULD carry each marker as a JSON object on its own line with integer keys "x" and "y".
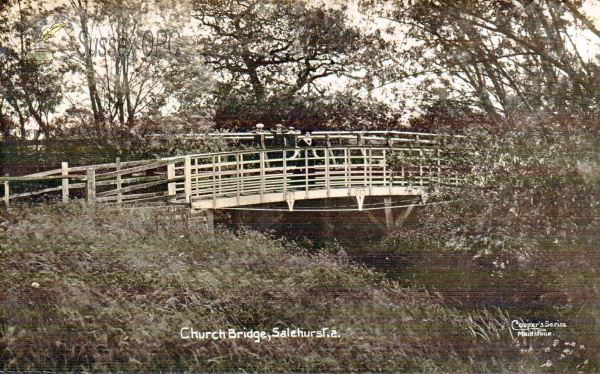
{"x": 105, "y": 92}
{"x": 6, "y": 122}
{"x": 522, "y": 228}
{"x": 134, "y": 74}
{"x": 504, "y": 56}
{"x": 273, "y": 57}
{"x": 28, "y": 89}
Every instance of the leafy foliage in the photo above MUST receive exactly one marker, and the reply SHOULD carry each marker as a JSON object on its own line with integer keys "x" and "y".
{"x": 504, "y": 57}
{"x": 342, "y": 111}
{"x": 29, "y": 91}
{"x": 275, "y": 60}
{"x": 527, "y": 214}
{"x": 100, "y": 289}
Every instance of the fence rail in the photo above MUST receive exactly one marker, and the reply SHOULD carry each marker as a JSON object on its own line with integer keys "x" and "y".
{"x": 346, "y": 164}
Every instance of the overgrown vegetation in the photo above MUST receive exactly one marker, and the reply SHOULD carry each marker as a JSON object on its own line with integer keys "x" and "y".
{"x": 106, "y": 289}
{"x": 521, "y": 234}
{"x": 101, "y": 289}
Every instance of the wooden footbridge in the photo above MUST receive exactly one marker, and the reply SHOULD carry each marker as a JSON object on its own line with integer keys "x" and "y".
{"x": 276, "y": 166}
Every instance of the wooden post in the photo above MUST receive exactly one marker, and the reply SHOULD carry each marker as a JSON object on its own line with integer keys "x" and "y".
{"x": 6, "y": 192}
{"x": 90, "y": 186}
{"x": 389, "y": 217}
{"x": 65, "y": 182}
{"x": 210, "y": 221}
{"x": 119, "y": 195}
{"x": 171, "y": 175}
{"x": 188, "y": 179}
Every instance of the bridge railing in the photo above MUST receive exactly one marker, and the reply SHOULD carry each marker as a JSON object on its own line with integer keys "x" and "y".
{"x": 291, "y": 137}
{"x": 209, "y": 178}
{"x": 358, "y": 160}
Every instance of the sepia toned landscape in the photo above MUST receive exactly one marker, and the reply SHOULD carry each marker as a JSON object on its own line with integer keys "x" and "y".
{"x": 300, "y": 186}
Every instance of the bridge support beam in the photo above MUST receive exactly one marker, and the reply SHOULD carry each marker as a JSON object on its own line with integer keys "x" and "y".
{"x": 290, "y": 198}
{"x": 359, "y": 193}
{"x": 402, "y": 217}
{"x": 389, "y": 215}
{"x": 208, "y": 218}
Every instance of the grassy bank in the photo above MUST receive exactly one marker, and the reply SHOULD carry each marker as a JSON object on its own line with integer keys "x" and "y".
{"x": 98, "y": 289}
{"x": 522, "y": 234}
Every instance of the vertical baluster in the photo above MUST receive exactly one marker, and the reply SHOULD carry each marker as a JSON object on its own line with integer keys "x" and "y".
{"x": 363, "y": 152}
{"x": 242, "y": 173}
{"x": 220, "y": 175}
{"x": 439, "y": 168}
{"x": 284, "y": 173}
{"x": 327, "y": 184}
{"x": 422, "y": 157}
{"x": 214, "y": 181}
{"x": 187, "y": 172}
{"x": 384, "y": 167}
{"x": 239, "y": 176}
{"x": 306, "y": 171}
{"x": 370, "y": 169}
{"x": 347, "y": 170}
{"x": 262, "y": 175}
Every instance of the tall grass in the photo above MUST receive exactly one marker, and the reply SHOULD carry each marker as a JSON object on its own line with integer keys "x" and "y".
{"x": 87, "y": 289}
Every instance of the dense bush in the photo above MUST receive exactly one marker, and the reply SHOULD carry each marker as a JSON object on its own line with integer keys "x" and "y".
{"x": 22, "y": 157}
{"x": 521, "y": 233}
{"x": 101, "y": 289}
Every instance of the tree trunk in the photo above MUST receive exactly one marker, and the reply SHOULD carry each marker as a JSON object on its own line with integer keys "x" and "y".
{"x": 96, "y": 103}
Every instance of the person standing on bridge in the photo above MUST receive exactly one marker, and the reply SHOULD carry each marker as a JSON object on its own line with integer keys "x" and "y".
{"x": 306, "y": 140}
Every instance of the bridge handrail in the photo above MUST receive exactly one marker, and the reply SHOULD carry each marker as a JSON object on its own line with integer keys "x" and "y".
{"x": 267, "y": 175}
{"x": 144, "y": 174}
{"x": 382, "y": 135}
